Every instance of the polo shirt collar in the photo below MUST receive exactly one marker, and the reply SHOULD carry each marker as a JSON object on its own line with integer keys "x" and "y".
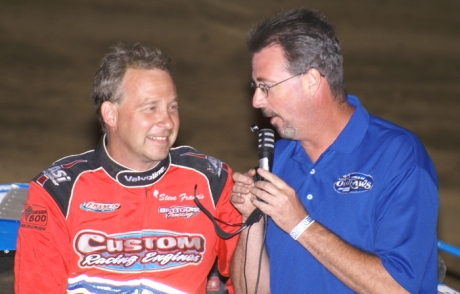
{"x": 353, "y": 133}
{"x": 350, "y": 137}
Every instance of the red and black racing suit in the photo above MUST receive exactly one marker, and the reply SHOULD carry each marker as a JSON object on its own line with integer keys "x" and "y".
{"x": 91, "y": 225}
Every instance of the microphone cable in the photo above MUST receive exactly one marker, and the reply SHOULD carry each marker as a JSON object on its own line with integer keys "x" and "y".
{"x": 265, "y": 150}
{"x": 260, "y": 257}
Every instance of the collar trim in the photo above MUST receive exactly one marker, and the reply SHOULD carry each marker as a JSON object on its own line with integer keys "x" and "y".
{"x": 126, "y": 176}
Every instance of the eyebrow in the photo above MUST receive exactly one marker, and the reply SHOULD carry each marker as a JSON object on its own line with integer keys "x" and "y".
{"x": 260, "y": 80}
{"x": 154, "y": 101}
{"x": 148, "y": 102}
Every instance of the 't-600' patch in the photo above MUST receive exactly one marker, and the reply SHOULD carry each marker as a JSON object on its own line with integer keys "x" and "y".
{"x": 35, "y": 217}
{"x": 354, "y": 183}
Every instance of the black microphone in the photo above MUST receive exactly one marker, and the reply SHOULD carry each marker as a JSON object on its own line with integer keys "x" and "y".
{"x": 265, "y": 148}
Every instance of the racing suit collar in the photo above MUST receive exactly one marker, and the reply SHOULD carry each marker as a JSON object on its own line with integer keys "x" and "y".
{"x": 126, "y": 176}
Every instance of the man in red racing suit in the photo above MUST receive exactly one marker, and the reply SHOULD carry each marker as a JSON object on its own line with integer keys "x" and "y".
{"x": 93, "y": 223}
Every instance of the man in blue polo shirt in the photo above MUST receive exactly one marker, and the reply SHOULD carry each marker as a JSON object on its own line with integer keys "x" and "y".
{"x": 352, "y": 201}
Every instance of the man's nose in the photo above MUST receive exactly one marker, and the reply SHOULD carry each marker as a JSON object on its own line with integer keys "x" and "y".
{"x": 166, "y": 120}
{"x": 258, "y": 98}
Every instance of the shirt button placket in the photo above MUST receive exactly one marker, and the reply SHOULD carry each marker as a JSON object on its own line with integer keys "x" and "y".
{"x": 310, "y": 196}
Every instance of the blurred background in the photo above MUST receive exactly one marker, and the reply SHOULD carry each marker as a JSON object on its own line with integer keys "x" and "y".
{"x": 400, "y": 57}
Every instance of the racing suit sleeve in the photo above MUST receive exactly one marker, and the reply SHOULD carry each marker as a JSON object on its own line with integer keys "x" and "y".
{"x": 43, "y": 246}
{"x": 226, "y": 211}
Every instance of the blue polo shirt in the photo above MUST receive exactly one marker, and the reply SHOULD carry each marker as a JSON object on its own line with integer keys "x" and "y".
{"x": 376, "y": 188}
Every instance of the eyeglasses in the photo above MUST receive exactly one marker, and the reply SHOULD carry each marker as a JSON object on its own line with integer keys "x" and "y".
{"x": 264, "y": 88}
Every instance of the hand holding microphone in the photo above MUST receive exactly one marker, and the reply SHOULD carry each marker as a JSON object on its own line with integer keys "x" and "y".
{"x": 283, "y": 205}
{"x": 265, "y": 147}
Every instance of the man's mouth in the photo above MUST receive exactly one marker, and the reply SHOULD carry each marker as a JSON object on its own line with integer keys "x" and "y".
{"x": 157, "y": 138}
{"x": 267, "y": 113}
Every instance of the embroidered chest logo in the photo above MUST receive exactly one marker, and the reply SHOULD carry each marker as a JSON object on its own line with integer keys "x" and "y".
{"x": 354, "y": 183}
{"x": 179, "y": 211}
{"x": 152, "y": 250}
{"x": 99, "y": 207}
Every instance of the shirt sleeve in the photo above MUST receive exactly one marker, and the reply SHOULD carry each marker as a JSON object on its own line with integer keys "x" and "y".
{"x": 227, "y": 212}
{"x": 42, "y": 249}
{"x": 405, "y": 237}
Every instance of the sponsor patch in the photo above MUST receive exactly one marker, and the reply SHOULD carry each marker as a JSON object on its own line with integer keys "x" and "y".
{"x": 151, "y": 250}
{"x": 179, "y": 211}
{"x": 354, "y": 183}
{"x": 214, "y": 165}
{"x": 35, "y": 217}
{"x": 99, "y": 207}
{"x": 130, "y": 178}
{"x": 57, "y": 174}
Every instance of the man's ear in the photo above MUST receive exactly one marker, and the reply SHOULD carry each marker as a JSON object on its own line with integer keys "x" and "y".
{"x": 313, "y": 80}
{"x": 314, "y": 77}
{"x": 109, "y": 113}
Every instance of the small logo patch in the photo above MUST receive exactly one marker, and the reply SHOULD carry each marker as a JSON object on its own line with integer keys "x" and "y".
{"x": 354, "y": 183}
{"x": 99, "y": 207}
{"x": 179, "y": 211}
{"x": 57, "y": 174}
{"x": 215, "y": 166}
{"x": 129, "y": 178}
{"x": 35, "y": 217}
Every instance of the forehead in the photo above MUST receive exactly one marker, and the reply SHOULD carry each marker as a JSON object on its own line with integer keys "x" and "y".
{"x": 134, "y": 75}
{"x": 269, "y": 63}
{"x": 148, "y": 81}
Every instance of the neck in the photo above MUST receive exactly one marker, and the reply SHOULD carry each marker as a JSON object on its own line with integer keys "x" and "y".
{"x": 116, "y": 154}
{"x": 325, "y": 131}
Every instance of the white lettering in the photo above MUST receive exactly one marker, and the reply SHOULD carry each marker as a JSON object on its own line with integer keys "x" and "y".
{"x": 164, "y": 197}
{"x": 84, "y": 241}
{"x": 145, "y": 178}
{"x": 97, "y": 259}
{"x": 94, "y": 242}
{"x": 163, "y": 259}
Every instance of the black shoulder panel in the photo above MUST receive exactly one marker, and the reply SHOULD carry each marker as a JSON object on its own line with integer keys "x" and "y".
{"x": 215, "y": 170}
{"x": 59, "y": 179}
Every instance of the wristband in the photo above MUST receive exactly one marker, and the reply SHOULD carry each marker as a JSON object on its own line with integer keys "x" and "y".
{"x": 301, "y": 227}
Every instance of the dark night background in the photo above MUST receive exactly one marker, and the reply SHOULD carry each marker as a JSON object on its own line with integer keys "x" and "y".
{"x": 401, "y": 58}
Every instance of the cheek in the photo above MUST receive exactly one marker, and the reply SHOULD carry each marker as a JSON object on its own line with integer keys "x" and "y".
{"x": 143, "y": 121}
{"x": 176, "y": 120}
{"x": 284, "y": 109}
{"x": 294, "y": 103}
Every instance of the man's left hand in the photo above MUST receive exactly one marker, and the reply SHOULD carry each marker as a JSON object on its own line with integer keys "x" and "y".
{"x": 280, "y": 201}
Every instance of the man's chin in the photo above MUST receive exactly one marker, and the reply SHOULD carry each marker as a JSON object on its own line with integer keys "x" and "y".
{"x": 287, "y": 133}
{"x": 158, "y": 155}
